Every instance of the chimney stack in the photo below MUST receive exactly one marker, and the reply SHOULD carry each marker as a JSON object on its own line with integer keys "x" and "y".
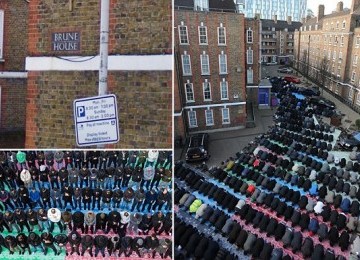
{"x": 275, "y": 18}
{"x": 289, "y": 20}
{"x": 340, "y": 7}
{"x": 355, "y": 5}
{"x": 257, "y": 16}
{"x": 321, "y": 12}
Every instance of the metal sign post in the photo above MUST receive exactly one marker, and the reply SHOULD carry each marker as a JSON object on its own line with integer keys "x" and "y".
{"x": 96, "y": 120}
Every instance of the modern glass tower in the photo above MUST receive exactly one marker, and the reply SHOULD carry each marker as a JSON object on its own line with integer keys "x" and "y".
{"x": 268, "y": 8}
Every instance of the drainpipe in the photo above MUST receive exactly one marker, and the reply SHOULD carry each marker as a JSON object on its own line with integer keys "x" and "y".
{"x": 104, "y": 46}
{"x": 104, "y": 50}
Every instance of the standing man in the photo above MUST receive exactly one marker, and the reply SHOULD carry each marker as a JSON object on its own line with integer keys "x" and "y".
{"x": 74, "y": 177}
{"x": 25, "y": 177}
{"x": 21, "y": 158}
{"x": 93, "y": 178}
{"x": 87, "y": 242}
{"x": 138, "y": 199}
{"x": 100, "y": 242}
{"x": 118, "y": 174}
{"x": 61, "y": 241}
{"x": 56, "y": 197}
{"x": 32, "y": 217}
{"x": 74, "y": 239}
{"x": 34, "y": 241}
{"x": 21, "y": 220}
{"x": 54, "y": 216}
{"x": 34, "y": 172}
{"x": 77, "y": 197}
{"x": 78, "y": 221}
{"x": 114, "y": 219}
{"x": 90, "y": 220}
{"x": 42, "y": 219}
{"x": 59, "y": 157}
{"x": 96, "y": 198}
{"x": 162, "y": 198}
{"x": 53, "y": 175}
{"x": 106, "y": 197}
{"x": 86, "y": 195}
{"x": 124, "y": 222}
{"x": 48, "y": 242}
{"x": 149, "y": 173}
{"x": 129, "y": 194}
{"x": 84, "y": 174}
{"x": 101, "y": 221}
{"x": 68, "y": 157}
{"x": 64, "y": 177}
{"x": 45, "y": 197}
{"x": 67, "y": 192}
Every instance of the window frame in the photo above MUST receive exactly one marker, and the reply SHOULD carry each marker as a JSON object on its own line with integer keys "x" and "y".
{"x": 195, "y": 118}
{"x": 252, "y": 76}
{"x": 192, "y": 92}
{"x": 183, "y": 64}
{"x": 209, "y": 122}
{"x": 209, "y": 91}
{"x": 249, "y": 31}
{"x": 228, "y": 116}
{"x": 222, "y": 62}
{"x": 187, "y": 35}
{"x": 248, "y": 52}
{"x": 221, "y": 36}
{"x": 200, "y": 35}
{"x": 204, "y": 64}
{"x": 224, "y": 88}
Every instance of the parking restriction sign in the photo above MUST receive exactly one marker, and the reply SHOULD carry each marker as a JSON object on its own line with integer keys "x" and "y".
{"x": 96, "y": 120}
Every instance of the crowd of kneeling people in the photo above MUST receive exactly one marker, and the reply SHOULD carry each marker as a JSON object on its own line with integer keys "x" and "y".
{"x": 289, "y": 178}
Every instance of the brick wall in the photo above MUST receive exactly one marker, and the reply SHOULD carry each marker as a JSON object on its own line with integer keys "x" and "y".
{"x": 234, "y": 49}
{"x": 144, "y": 106}
{"x": 141, "y": 27}
{"x": 15, "y": 40}
{"x": 13, "y": 104}
{"x": 13, "y": 91}
{"x": 144, "y": 97}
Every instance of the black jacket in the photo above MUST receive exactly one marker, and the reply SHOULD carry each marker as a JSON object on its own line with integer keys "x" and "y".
{"x": 344, "y": 241}
{"x": 296, "y": 242}
{"x": 234, "y": 233}
{"x": 240, "y": 240}
{"x": 211, "y": 251}
{"x": 279, "y": 231}
{"x": 192, "y": 243}
{"x": 308, "y": 247}
{"x": 87, "y": 241}
{"x": 78, "y": 217}
{"x": 318, "y": 252}
{"x": 101, "y": 241}
{"x": 333, "y": 236}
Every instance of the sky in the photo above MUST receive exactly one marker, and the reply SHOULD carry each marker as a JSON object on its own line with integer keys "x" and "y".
{"x": 330, "y": 5}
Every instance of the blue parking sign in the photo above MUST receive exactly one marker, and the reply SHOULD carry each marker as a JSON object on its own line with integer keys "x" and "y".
{"x": 81, "y": 111}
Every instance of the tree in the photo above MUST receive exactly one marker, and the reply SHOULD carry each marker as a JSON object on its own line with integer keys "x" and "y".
{"x": 324, "y": 71}
{"x": 310, "y": 13}
{"x": 357, "y": 123}
{"x": 305, "y": 63}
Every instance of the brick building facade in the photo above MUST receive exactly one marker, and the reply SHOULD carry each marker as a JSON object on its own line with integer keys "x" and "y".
{"x": 209, "y": 50}
{"x": 327, "y": 50}
{"x": 13, "y": 50}
{"x": 277, "y": 41}
{"x": 140, "y": 54}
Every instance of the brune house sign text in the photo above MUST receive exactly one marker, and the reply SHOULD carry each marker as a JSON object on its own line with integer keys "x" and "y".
{"x": 65, "y": 41}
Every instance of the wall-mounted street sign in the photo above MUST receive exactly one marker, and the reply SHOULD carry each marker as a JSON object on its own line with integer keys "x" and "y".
{"x": 96, "y": 120}
{"x": 65, "y": 41}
